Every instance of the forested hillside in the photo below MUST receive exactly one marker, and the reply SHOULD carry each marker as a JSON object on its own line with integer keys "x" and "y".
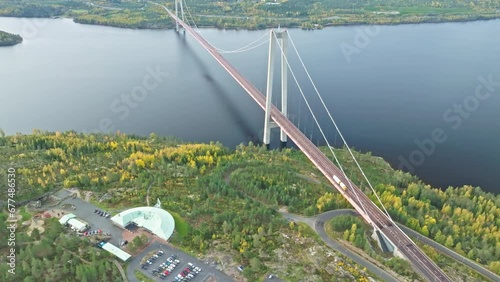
{"x": 56, "y": 256}
{"x": 229, "y": 198}
{"x": 8, "y": 39}
{"x": 250, "y": 14}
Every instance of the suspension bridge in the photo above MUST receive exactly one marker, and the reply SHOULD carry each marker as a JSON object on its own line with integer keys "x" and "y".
{"x": 389, "y": 236}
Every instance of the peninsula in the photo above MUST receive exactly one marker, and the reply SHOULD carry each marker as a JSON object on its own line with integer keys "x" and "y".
{"x": 9, "y": 39}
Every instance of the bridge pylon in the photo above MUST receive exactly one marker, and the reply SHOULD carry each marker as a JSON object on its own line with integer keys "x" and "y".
{"x": 179, "y": 6}
{"x": 280, "y": 36}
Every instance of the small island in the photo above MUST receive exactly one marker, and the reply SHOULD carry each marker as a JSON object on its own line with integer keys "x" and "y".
{"x": 9, "y": 39}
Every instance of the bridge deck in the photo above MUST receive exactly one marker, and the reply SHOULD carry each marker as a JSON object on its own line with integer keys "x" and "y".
{"x": 420, "y": 262}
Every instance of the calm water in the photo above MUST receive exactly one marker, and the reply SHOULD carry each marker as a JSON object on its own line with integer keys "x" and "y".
{"x": 398, "y": 87}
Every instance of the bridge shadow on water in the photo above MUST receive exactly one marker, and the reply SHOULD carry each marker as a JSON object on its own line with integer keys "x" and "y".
{"x": 222, "y": 96}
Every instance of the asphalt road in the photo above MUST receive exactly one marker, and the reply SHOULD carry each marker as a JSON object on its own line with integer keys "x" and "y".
{"x": 480, "y": 269}
{"x": 207, "y": 269}
{"x": 85, "y": 211}
{"x": 420, "y": 262}
{"x": 315, "y": 224}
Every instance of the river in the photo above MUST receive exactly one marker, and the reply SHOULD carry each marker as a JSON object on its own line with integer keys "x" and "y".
{"x": 424, "y": 97}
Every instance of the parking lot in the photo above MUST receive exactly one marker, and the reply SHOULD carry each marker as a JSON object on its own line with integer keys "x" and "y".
{"x": 183, "y": 265}
{"x": 199, "y": 270}
{"x": 86, "y": 211}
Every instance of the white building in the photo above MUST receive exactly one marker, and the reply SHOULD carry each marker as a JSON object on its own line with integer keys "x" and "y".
{"x": 157, "y": 220}
{"x": 124, "y": 256}
{"x": 75, "y": 224}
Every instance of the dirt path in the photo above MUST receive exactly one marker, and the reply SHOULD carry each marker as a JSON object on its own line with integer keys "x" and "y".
{"x": 147, "y": 193}
{"x": 79, "y": 257}
{"x": 317, "y": 224}
{"x": 120, "y": 268}
{"x": 35, "y": 223}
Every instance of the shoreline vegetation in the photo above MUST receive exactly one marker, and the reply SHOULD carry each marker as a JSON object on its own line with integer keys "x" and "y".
{"x": 206, "y": 186}
{"x": 9, "y": 39}
{"x": 246, "y": 14}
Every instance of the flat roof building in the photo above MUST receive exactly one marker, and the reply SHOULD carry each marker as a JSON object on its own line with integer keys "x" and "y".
{"x": 157, "y": 220}
{"x": 66, "y": 217}
{"x": 78, "y": 225}
{"x": 75, "y": 224}
{"x": 119, "y": 253}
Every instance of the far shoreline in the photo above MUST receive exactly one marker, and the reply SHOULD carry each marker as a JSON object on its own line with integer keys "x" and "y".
{"x": 352, "y": 24}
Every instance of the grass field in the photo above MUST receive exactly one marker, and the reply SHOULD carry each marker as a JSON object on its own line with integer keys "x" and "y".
{"x": 181, "y": 226}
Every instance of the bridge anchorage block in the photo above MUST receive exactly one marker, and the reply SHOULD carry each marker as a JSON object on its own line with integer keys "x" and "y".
{"x": 385, "y": 244}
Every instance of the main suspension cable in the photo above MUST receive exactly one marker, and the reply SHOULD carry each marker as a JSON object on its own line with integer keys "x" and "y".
{"x": 242, "y": 49}
{"x": 317, "y": 123}
{"x": 337, "y": 128}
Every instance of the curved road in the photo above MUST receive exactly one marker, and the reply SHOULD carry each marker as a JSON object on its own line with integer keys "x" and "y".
{"x": 371, "y": 213}
{"x": 316, "y": 223}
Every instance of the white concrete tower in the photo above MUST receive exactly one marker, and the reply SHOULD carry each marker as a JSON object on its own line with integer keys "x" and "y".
{"x": 282, "y": 36}
{"x": 179, "y": 6}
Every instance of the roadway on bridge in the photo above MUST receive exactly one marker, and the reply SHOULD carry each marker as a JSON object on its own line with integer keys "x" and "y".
{"x": 370, "y": 212}
{"x": 313, "y": 222}
{"x": 454, "y": 255}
